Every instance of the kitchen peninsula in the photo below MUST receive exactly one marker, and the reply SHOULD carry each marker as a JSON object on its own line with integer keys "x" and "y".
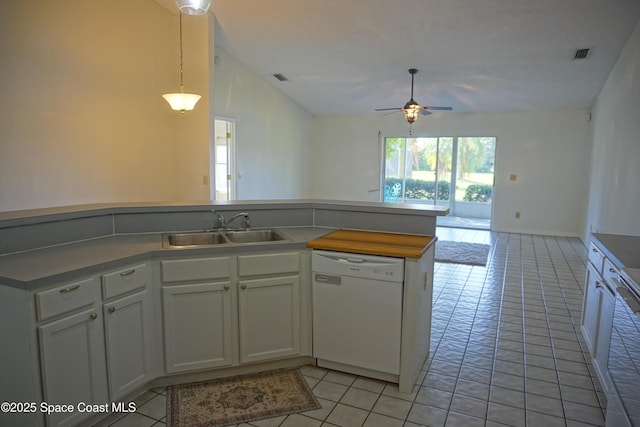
{"x": 94, "y": 308}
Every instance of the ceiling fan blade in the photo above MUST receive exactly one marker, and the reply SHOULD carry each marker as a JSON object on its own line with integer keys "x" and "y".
{"x": 386, "y": 109}
{"x": 425, "y": 112}
{"x": 429, "y": 107}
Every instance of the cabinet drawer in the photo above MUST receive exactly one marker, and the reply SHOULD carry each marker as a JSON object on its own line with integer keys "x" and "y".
{"x": 67, "y": 297}
{"x": 124, "y": 280}
{"x": 596, "y": 257}
{"x": 251, "y": 265}
{"x": 181, "y": 270}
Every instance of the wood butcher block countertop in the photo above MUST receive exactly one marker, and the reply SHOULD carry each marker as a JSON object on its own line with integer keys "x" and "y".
{"x": 374, "y": 243}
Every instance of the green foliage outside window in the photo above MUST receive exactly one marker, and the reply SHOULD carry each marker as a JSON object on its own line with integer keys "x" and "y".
{"x": 417, "y": 189}
{"x": 478, "y": 193}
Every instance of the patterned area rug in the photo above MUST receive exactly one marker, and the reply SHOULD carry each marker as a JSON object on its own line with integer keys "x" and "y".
{"x": 239, "y": 399}
{"x": 461, "y": 252}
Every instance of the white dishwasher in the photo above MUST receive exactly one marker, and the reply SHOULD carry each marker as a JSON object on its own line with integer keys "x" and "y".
{"x": 357, "y": 312}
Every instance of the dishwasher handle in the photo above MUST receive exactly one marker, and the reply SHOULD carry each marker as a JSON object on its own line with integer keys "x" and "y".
{"x": 328, "y": 279}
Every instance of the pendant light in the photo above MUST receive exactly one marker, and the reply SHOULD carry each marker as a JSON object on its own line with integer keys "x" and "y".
{"x": 181, "y": 101}
{"x": 193, "y": 7}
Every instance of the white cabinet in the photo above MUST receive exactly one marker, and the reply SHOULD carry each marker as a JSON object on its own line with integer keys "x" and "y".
{"x": 128, "y": 329}
{"x": 269, "y": 317}
{"x": 95, "y": 340}
{"x": 198, "y": 316}
{"x": 269, "y": 306}
{"x": 597, "y": 310}
{"x": 223, "y": 311}
{"x": 197, "y": 326}
{"x": 72, "y": 352}
{"x": 128, "y": 334}
{"x": 591, "y": 307}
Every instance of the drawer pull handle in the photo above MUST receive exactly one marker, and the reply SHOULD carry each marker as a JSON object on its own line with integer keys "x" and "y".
{"x": 128, "y": 273}
{"x": 243, "y": 286}
{"x": 93, "y": 316}
{"x": 112, "y": 310}
{"x": 612, "y": 270}
{"x": 69, "y": 289}
{"x": 226, "y": 287}
{"x": 598, "y": 285}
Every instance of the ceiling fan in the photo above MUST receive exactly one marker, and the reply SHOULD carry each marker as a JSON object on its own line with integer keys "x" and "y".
{"x": 411, "y": 109}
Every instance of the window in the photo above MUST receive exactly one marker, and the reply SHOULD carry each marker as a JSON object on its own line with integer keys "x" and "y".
{"x": 450, "y": 171}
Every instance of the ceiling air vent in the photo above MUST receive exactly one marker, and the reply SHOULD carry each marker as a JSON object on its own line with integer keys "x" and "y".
{"x": 280, "y": 77}
{"x": 581, "y": 53}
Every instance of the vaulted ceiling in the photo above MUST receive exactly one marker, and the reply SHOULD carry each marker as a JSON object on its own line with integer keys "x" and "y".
{"x": 352, "y": 56}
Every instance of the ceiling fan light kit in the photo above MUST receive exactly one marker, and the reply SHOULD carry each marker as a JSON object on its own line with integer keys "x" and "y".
{"x": 412, "y": 109}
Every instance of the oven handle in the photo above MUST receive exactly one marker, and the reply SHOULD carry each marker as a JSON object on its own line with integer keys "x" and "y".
{"x": 630, "y": 299}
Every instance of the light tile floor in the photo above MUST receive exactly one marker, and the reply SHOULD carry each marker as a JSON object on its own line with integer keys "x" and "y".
{"x": 505, "y": 350}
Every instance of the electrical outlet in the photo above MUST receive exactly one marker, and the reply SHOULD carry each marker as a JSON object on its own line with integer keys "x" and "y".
{"x": 513, "y": 177}
{"x": 517, "y": 215}
{"x": 205, "y": 179}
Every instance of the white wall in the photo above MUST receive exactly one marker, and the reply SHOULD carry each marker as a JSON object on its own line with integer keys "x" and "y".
{"x": 273, "y": 133}
{"x": 548, "y": 150}
{"x": 614, "y": 187}
{"x": 83, "y": 120}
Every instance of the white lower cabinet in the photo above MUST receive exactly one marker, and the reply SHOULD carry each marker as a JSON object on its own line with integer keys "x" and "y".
{"x": 128, "y": 337}
{"x": 591, "y": 307}
{"x": 73, "y": 364}
{"x": 597, "y": 310}
{"x": 197, "y": 326}
{"x": 269, "y": 318}
{"x": 224, "y": 311}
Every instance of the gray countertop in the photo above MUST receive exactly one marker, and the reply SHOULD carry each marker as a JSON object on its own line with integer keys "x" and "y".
{"x": 623, "y": 251}
{"x": 45, "y": 266}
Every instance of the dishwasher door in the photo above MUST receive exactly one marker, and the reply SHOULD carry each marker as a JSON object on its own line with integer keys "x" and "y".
{"x": 357, "y": 311}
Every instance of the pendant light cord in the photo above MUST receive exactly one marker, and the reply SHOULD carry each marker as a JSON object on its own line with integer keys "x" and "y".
{"x": 181, "y": 77}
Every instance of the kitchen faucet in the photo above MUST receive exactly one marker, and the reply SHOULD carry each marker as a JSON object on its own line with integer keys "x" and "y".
{"x": 247, "y": 223}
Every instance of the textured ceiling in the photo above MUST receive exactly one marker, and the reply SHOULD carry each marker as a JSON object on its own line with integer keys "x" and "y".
{"x": 352, "y": 56}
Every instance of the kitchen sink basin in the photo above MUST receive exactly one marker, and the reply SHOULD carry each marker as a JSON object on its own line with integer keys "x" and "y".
{"x": 211, "y": 238}
{"x": 254, "y": 236}
{"x": 203, "y": 238}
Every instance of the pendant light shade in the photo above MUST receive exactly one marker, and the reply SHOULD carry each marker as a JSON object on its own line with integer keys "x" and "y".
{"x": 193, "y": 7}
{"x": 181, "y": 101}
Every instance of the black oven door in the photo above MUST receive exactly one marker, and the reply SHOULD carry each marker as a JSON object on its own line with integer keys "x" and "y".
{"x": 623, "y": 407}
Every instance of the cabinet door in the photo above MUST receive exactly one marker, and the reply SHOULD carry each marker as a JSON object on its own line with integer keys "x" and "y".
{"x": 73, "y": 364}
{"x": 128, "y": 333}
{"x": 197, "y": 326}
{"x": 269, "y": 316}
{"x": 607, "y": 303}
{"x": 591, "y": 307}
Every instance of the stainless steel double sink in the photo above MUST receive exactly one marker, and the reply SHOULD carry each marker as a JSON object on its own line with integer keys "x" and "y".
{"x": 212, "y": 238}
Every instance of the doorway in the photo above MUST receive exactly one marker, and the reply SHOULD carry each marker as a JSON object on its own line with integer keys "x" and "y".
{"x": 457, "y": 172}
{"x": 223, "y": 160}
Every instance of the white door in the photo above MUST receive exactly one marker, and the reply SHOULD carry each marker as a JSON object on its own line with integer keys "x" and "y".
{"x": 223, "y": 185}
{"x": 197, "y": 326}
{"x": 73, "y": 364}
{"x": 269, "y": 312}
{"x": 128, "y": 340}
